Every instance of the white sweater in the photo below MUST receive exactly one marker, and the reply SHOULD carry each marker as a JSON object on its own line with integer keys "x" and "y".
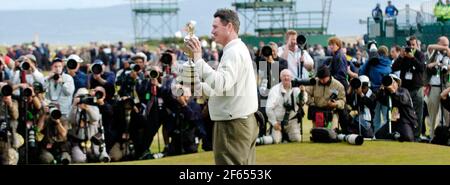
{"x": 233, "y": 86}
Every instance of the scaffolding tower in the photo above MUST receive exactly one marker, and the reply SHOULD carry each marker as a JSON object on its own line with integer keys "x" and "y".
{"x": 275, "y": 17}
{"x": 154, "y": 18}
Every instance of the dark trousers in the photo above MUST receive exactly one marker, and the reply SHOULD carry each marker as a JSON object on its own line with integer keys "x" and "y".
{"x": 417, "y": 99}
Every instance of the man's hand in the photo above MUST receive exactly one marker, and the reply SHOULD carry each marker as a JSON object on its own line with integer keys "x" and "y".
{"x": 7, "y": 100}
{"x": 83, "y": 106}
{"x": 195, "y": 46}
{"x": 277, "y": 126}
{"x": 332, "y": 104}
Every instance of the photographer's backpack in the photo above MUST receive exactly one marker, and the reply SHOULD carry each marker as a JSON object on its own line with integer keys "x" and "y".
{"x": 323, "y": 135}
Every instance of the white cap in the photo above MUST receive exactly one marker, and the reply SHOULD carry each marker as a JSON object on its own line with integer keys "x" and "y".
{"x": 139, "y": 55}
{"x": 75, "y": 57}
{"x": 364, "y": 78}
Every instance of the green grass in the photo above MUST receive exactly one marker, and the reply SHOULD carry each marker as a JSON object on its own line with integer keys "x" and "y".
{"x": 307, "y": 153}
{"x": 370, "y": 153}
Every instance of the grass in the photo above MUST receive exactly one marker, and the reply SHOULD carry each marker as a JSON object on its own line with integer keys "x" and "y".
{"x": 307, "y": 153}
{"x": 370, "y": 153}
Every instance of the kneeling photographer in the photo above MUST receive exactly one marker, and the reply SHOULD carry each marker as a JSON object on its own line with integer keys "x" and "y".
{"x": 326, "y": 99}
{"x": 84, "y": 119}
{"x": 361, "y": 102}
{"x": 52, "y": 137}
{"x": 10, "y": 141}
{"x": 284, "y": 110}
{"x": 403, "y": 118}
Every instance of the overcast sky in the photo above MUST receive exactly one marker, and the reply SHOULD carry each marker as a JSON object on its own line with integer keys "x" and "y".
{"x": 344, "y": 19}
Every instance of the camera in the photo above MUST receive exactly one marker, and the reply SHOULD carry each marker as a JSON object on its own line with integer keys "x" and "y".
{"x": 135, "y": 67}
{"x": 89, "y": 100}
{"x": 154, "y": 74}
{"x": 266, "y": 51}
{"x": 6, "y": 90}
{"x": 355, "y": 83}
{"x": 3, "y": 130}
{"x": 264, "y": 140}
{"x": 387, "y": 81}
{"x": 352, "y": 139}
{"x": 27, "y": 92}
{"x": 72, "y": 64}
{"x": 301, "y": 41}
{"x": 25, "y": 66}
{"x": 408, "y": 49}
{"x": 166, "y": 58}
{"x": 308, "y": 82}
{"x": 372, "y": 46}
{"x": 38, "y": 88}
{"x": 97, "y": 69}
{"x": 334, "y": 96}
{"x": 54, "y": 112}
{"x": 56, "y": 77}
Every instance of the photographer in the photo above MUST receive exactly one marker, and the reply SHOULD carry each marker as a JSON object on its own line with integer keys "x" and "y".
{"x": 184, "y": 114}
{"x": 296, "y": 56}
{"x": 361, "y": 100}
{"x": 26, "y": 72}
{"x": 403, "y": 119}
{"x": 338, "y": 63}
{"x": 73, "y": 69}
{"x": 107, "y": 112}
{"x": 60, "y": 87}
{"x": 412, "y": 68}
{"x": 285, "y": 100}
{"x": 445, "y": 100}
{"x": 83, "y": 118}
{"x": 52, "y": 137}
{"x": 100, "y": 77}
{"x": 10, "y": 141}
{"x": 325, "y": 99}
{"x": 268, "y": 67}
{"x": 436, "y": 76}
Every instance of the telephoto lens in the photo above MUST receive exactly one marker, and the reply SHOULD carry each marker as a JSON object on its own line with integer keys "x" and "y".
{"x": 6, "y": 90}
{"x": 352, "y": 139}
{"x": 265, "y": 140}
{"x": 25, "y": 66}
{"x": 71, "y": 64}
{"x": 97, "y": 69}
{"x": 166, "y": 59}
{"x": 266, "y": 51}
{"x": 55, "y": 113}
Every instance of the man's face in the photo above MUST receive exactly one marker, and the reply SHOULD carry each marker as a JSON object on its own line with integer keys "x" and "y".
{"x": 414, "y": 44}
{"x": 443, "y": 42}
{"x": 394, "y": 53}
{"x": 57, "y": 67}
{"x": 139, "y": 62}
{"x": 333, "y": 47}
{"x": 219, "y": 31}
{"x": 286, "y": 79}
{"x": 324, "y": 80}
{"x": 291, "y": 41}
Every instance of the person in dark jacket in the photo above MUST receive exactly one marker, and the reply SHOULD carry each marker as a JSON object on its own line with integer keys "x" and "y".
{"x": 412, "y": 69}
{"x": 104, "y": 79}
{"x": 338, "y": 63}
{"x": 403, "y": 119}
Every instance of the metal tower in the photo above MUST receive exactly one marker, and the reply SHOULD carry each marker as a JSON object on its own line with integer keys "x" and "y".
{"x": 154, "y": 18}
{"x": 275, "y": 17}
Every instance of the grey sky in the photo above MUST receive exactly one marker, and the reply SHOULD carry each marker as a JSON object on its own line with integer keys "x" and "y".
{"x": 343, "y": 20}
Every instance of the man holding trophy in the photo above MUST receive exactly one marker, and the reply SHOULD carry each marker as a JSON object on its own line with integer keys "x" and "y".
{"x": 232, "y": 92}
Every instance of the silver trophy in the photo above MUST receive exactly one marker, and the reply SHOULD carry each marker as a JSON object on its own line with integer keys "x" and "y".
{"x": 188, "y": 74}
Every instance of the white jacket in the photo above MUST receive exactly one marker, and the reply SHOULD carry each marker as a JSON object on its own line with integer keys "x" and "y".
{"x": 60, "y": 93}
{"x": 233, "y": 86}
{"x": 274, "y": 107}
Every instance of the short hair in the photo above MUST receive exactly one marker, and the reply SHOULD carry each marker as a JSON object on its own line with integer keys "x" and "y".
{"x": 287, "y": 71}
{"x": 383, "y": 50}
{"x": 290, "y": 32}
{"x": 335, "y": 40}
{"x": 228, "y": 16}
{"x": 397, "y": 48}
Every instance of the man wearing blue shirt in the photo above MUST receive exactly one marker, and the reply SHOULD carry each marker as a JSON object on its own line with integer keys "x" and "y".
{"x": 79, "y": 77}
{"x": 391, "y": 10}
